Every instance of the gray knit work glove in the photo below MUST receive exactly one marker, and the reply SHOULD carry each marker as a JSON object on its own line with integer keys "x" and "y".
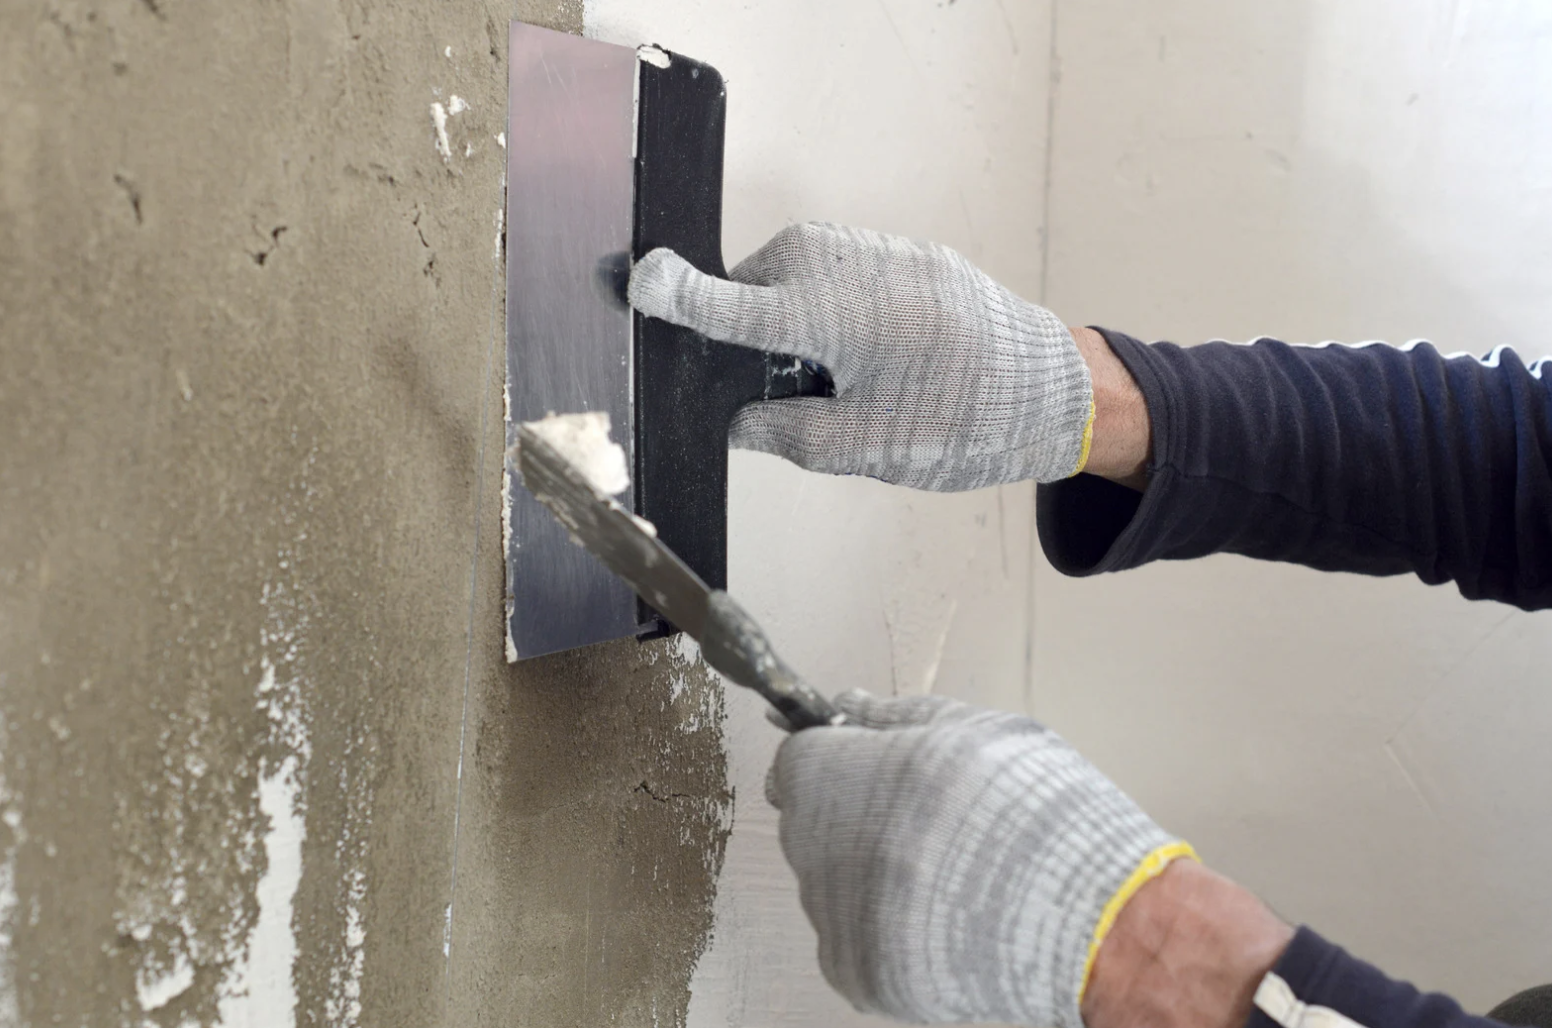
{"x": 958, "y": 864}
{"x": 944, "y": 379}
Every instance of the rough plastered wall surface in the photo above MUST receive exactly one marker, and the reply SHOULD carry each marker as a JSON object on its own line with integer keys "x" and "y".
{"x": 261, "y": 759}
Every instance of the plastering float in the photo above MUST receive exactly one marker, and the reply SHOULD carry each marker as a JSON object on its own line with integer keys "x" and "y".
{"x": 612, "y": 152}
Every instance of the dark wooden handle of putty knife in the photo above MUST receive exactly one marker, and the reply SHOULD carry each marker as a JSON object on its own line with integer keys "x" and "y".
{"x": 735, "y": 645}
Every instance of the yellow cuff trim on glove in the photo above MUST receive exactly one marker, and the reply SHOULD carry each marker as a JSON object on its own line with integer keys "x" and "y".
{"x": 1088, "y": 441}
{"x": 1151, "y": 867}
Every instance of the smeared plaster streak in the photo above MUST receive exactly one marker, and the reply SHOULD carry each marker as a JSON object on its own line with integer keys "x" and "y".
{"x": 343, "y": 1006}
{"x": 501, "y": 140}
{"x": 684, "y": 657}
{"x": 155, "y": 991}
{"x": 456, "y": 105}
{"x": 8, "y": 1012}
{"x": 259, "y": 991}
{"x": 1008, "y": 24}
{"x": 9, "y": 1015}
{"x": 439, "y": 120}
{"x": 507, "y": 483}
{"x": 930, "y": 679}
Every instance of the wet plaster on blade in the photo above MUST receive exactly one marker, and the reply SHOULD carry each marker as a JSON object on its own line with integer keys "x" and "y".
{"x": 582, "y": 441}
{"x": 261, "y": 348}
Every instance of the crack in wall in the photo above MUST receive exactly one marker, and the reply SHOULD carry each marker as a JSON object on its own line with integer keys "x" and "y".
{"x": 131, "y": 193}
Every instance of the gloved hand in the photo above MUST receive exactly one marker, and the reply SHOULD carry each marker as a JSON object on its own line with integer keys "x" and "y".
{"x": 958, "y": 864}
{"x": 944, "y": 380}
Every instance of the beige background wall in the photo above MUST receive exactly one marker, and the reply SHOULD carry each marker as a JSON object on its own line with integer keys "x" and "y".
{"x": 260, "y": 759}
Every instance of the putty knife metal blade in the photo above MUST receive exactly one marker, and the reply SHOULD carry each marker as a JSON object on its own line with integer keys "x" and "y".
{"x": 571, "y": 172}
{"x": 731, "y": 641}
{"x": 612, "y": 152}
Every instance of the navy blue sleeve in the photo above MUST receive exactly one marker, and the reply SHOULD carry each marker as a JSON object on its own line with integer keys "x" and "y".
{"x": 1369, "y": 459}
{"x": 1318, "y": 985}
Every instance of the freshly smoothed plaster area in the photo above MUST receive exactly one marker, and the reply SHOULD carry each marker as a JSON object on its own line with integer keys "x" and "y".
{"x": 262, "y": 761}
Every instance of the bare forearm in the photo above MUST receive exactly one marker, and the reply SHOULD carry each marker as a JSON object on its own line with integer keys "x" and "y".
{"x": 1123, "y": 437}
{"x": 1187, "y": 952}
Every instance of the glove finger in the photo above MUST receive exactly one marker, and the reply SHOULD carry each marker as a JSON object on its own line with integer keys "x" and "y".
{"x": 790, "y": 763}
{"x": 797, "y": 251}
{"x": 812, "y": 432}
{"x": 816, "y": 784}
{"x": 806, "y": 761}
{"x": 665, "y": 285}
{"x": 866, "y": 710}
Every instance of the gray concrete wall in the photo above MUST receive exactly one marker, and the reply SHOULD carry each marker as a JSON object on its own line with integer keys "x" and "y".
{"x": 255, "y": 712}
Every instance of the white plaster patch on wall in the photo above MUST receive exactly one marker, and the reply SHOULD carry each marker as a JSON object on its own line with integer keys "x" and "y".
{"x": 9, "y": 1015}
{"x": 14, "y": 834}
{"x": 684, "y": 656}
{"x": 205, "y": 913}
{"x": 283, "y": 699}
{"x": 258, "y": 987}
{"x": 930, "y": 676}
{"x": 258, "y": 991}
{"x": 343, "y": 1007}
{"x": 156, "y": 989}
{"x": 439, "y": 122}
{"x": 685, "y": 648}
{"x": 456, "y": 105}
{"x": 506, "y": 530}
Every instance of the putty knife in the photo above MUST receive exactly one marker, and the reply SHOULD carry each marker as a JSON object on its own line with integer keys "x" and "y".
{"x": 612, "y": 152}
{"x": 629, "y": 546}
